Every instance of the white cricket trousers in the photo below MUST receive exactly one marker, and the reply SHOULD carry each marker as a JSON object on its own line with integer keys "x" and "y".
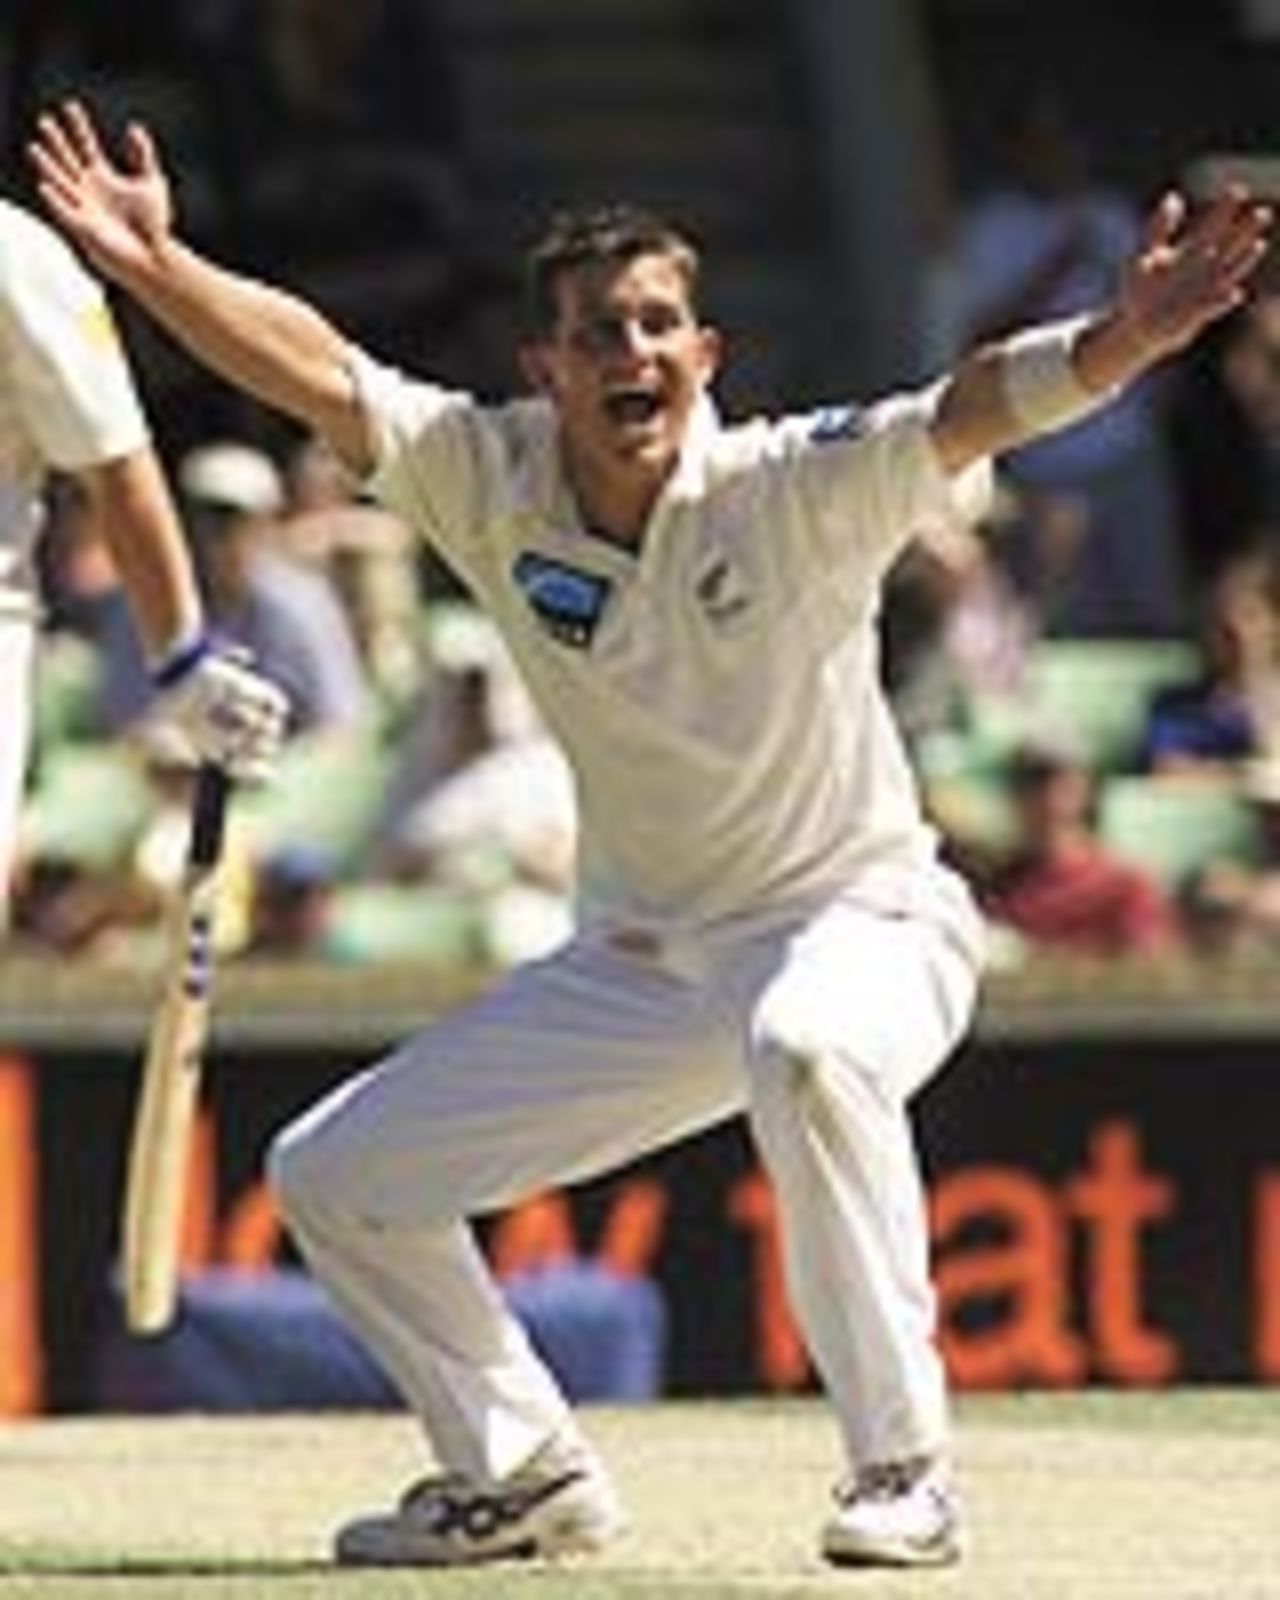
{"x": 17, "y": 658}
{"x": 578, "y": 1063}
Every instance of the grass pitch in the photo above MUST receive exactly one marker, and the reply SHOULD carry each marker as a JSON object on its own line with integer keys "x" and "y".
{"x": 1070, "y": 1497}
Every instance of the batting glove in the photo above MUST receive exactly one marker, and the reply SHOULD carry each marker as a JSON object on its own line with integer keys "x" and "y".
{"x": 227, "y": 712}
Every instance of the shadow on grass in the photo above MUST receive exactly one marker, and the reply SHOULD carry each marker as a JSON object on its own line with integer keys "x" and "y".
{"x": 33, "y": 1561}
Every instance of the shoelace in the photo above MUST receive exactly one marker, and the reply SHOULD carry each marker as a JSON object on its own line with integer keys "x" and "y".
{"x": 455, "y": 1504}
{"x": 438, "y": 1486}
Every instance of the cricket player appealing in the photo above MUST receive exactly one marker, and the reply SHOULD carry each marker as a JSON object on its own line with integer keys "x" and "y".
{"x": 68, "y": 403}
{"x": 764, "y": 923}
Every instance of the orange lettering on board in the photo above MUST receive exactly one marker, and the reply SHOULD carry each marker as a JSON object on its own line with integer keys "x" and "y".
{"x": 1026, "y": 1274}
{"x": 20, "y": 1355}
{"x": 1266, "y": 1273}
{"x": 537, "y": 1233}
{"x": 780, "y": 1353}
{"x": 1117, "y": 1198}
{"x": 541, "y": 1233}
{"x": 199, "y": 1205}
{"x": 633, "y": 1230}
{"x": 251, "y": 1233}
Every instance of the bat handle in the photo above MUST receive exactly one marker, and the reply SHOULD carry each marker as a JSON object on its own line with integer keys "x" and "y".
{"x": 208, "y": 815}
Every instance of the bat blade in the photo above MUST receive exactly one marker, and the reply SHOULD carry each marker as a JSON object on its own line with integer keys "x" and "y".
{"x": 169, "y": 1086}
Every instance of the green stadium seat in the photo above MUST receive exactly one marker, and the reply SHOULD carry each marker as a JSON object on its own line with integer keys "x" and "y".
{"x": 1171, "y": 826}
{"x": 1097, "y": 691}
{"x": 405, "y": 923}
{"x": 65, "y": 703}
{"x": 89, "y": 803}
{"x": 327, "y": 792}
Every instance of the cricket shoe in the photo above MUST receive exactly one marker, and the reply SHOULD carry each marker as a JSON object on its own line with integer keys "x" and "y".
{"x": 895, "y": 1514}
{"x": 557, "y": 1504}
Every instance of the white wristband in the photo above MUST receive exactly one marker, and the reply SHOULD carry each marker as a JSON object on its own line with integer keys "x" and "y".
{"x": 1040, "y": 382}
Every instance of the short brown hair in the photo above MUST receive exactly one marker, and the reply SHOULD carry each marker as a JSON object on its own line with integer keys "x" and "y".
{"x": 598, "y": 234}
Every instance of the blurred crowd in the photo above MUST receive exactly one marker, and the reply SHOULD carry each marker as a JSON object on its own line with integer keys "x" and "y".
{"x": 419, "y": 810}
{"x": 1090, "y": 681}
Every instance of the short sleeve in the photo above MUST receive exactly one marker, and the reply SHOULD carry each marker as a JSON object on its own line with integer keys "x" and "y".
{"x": 866, "y": 488}
{"x": 429, "y": 452}
{"x": 69, "y": 377}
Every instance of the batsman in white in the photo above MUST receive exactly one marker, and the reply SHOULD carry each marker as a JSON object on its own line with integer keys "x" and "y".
{"x": 68, "y": 403}
{"x": 764, "y": 924}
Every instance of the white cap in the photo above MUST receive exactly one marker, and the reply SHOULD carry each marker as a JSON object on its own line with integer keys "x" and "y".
{"x": 234, "y": 476}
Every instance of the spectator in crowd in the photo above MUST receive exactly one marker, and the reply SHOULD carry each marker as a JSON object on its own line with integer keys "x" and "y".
{"x": 269, "y": 589}
{"x": 1230, "y": 902}
{"x": 1060, "y": 888}
{"x": 292, "y": 903}
{"x": 957, "y": 624}
{"x": 371, "y": 558}
{"x": 289, "y": 617}
{"x": 315, "y": 479}
{"x": 482, "y": 799}
{"x": 1049, "y": 240}
{"x": 1224, "y": 422}
{"x": 1231, "y": 711}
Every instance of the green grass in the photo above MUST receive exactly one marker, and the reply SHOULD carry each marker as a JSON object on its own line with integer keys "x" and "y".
{"x": 1096, "y": 1496}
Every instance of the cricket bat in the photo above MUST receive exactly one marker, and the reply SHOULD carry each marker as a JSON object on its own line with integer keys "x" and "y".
{"x": 169, "y": 1088}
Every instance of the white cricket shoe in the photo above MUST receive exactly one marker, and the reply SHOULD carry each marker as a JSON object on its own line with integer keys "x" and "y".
{"x": 895, "y": 1514}
{"x": 556, "y": 1504}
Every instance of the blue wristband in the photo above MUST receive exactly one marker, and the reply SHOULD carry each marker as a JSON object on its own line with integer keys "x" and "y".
{"x": 173, "y": 667}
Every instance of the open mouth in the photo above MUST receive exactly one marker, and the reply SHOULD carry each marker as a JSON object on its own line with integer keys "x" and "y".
{"x": 632, "y": 407}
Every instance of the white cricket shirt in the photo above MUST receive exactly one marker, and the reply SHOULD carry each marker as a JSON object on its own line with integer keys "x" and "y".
{"x": 717, "y": 693}
{"x": 67, "y": 400}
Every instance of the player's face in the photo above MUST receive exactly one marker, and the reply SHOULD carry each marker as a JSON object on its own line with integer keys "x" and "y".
{"x": 625, "y": 365}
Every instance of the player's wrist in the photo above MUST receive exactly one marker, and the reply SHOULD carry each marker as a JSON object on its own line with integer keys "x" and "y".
{"x": 1115, "y": 349}
{"x": 1047, "y": 384}
{"x": 181, "y": 658}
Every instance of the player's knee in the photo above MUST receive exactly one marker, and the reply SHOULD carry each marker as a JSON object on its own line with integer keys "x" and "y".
{"x": 300, "y": 1172}
{"x": 780, "y": 1068}
{"x": 793, "y": 1061}
{"x": 784, "y": 1044}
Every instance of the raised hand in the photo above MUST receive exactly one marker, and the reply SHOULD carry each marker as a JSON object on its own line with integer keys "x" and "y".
{"x": 119, "y": 212}
{"x": 1193, "y": 268}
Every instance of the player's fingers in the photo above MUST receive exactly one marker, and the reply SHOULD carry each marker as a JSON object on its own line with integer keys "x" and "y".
{"x": 51, "y": 145}
{"x": 1166, "y": 218}
{"x": 56, "y": 186}
{"x": 1232, "y": 248}
{"x": 1226, "y": 300}
{"x": 83, "y": 135}
{"x": 45, "y": 166}
{"x": 1230, "y": 208}
{"x": 62, "y": 202}
{"x": 1250, "y": 227}
{"x": 1238, "y": 263}
{"x": 140, "y": 150}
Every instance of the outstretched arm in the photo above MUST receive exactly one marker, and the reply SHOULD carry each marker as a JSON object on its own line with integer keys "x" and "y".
{"x": 1188, "y": 272}
{"x": 121, "y": 214}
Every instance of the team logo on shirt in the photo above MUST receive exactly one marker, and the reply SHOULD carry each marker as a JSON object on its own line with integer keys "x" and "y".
{"x": 720, "y": 592}
{"x": 567, "y": 602}
{"x": 829, "y": 423}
